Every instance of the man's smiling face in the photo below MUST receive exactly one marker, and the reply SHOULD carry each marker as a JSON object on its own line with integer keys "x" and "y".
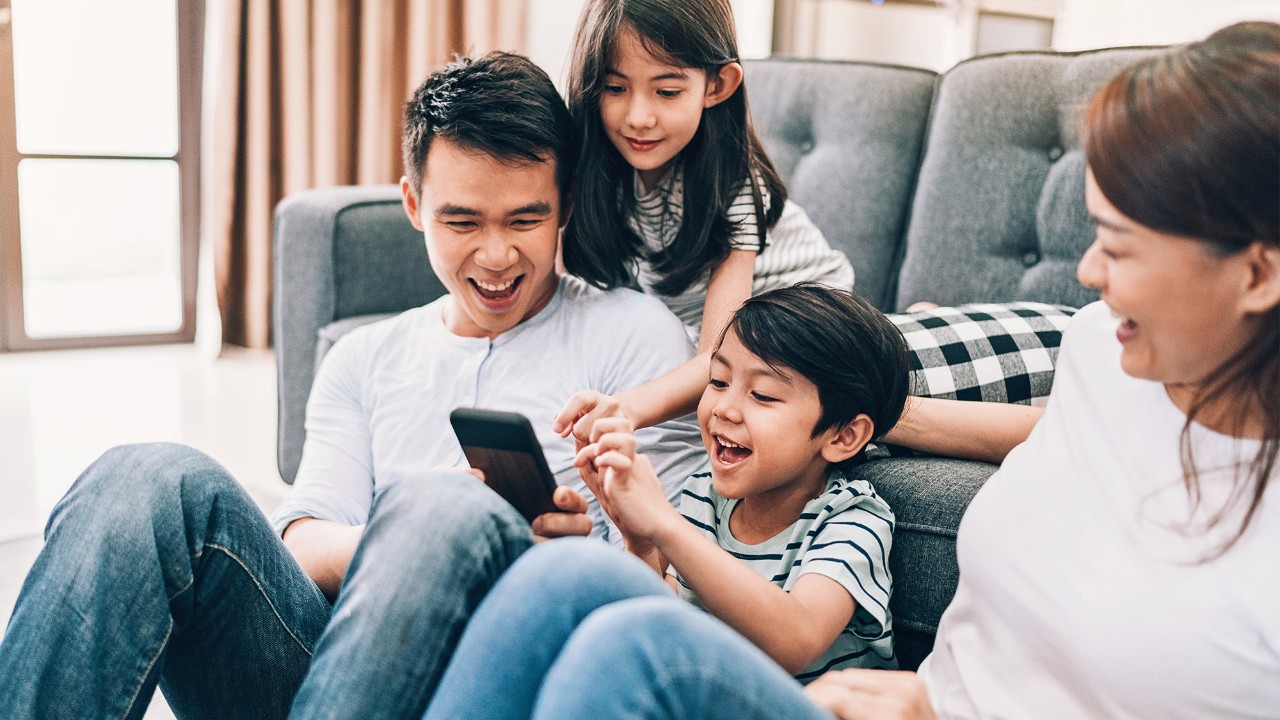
{"x": 491, "y": 228}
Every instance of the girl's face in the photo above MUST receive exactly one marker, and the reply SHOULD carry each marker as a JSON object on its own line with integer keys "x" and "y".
{"x": 1184, "y": 310}
{"x": 651, "y": 110}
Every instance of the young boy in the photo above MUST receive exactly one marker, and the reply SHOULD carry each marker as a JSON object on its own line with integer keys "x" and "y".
{"x": 776, "y": 540}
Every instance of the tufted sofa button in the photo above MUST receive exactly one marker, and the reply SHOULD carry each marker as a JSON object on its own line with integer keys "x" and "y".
{"x": 806, "y": 146}
{"x": 1055, "y": 153}
{"x": 1031, "y": 258}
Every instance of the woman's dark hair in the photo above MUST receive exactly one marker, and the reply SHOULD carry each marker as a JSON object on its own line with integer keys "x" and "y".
{"x": 598, "y": 245}
{"x": 1188, "y": 143}
{"x": 855, "y": 356}
{"x": 500, "y": 104}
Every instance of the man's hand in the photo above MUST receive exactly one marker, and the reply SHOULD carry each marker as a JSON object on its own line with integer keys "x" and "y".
{"x": 858, "y": 694}
{"x": 582, "y": 411}
{"x": 572, "y": 520}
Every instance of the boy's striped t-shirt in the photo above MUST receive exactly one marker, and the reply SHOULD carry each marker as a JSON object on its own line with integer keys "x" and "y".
{"x": 845, "y": 534}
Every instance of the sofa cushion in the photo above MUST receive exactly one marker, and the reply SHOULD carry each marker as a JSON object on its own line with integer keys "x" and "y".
{"x": 989, "y": 352}
{"x": 998, "y": 213}
{"x": 846, "y": 138}
{"x": 928, "y": 496}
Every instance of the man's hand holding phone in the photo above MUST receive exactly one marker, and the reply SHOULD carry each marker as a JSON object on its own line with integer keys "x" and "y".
{"x": 570, "y": 520}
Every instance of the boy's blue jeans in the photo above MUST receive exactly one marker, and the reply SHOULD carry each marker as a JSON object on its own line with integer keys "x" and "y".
{"x": 577, "y": 629}
{"x": 158, "y": 568}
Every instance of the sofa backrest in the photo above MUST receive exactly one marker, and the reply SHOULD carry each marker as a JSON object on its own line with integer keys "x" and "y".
{"x": 846, "y": 138}
{"x": 998, "y": 211}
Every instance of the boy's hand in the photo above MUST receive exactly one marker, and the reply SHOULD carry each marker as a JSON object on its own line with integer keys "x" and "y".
{"x": 572, "y": 520}
{"x": 624, "y": 482}
{"x": 581, "y": 412}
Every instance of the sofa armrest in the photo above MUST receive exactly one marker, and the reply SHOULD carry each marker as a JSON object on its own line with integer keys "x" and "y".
{"x": 340, "y": 253}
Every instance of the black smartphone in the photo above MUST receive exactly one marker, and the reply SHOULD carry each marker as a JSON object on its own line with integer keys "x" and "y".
{"x": 503, "y": 446}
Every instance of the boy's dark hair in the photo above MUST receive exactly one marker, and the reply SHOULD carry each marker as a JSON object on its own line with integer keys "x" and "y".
{"x": 724, "y": 153}
{"x": 855, "y": 356}
{"x": 500, "y": 104}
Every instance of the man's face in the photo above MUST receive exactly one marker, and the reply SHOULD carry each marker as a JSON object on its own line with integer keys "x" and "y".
{"x": 491, "y": 229}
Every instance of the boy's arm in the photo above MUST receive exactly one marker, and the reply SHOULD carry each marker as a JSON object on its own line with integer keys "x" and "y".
{"x": 962, "y": 429}
{"x": 794, "y": 628}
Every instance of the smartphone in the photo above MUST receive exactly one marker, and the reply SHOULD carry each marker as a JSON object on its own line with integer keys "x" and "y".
{"x": 503, "y": 446}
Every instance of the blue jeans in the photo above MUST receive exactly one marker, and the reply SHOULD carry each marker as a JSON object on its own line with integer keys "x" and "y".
{"x": 577, "y": 629}
{"x": 159, "y": 569}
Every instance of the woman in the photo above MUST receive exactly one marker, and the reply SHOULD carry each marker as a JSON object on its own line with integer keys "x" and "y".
{"x": 1121, "y": 563}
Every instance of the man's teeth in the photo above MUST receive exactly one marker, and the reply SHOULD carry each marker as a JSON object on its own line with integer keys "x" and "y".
{"x": 495, "y": 287}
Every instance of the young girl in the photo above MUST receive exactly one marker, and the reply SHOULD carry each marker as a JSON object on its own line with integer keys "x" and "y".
{"x": 673, "y": 188}
{"x": 776, "y": 541}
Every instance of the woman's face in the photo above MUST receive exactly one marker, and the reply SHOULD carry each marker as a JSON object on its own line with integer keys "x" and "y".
{"x": 1181, "y": 304}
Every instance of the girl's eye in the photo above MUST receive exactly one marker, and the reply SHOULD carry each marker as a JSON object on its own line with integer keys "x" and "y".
{"x": 717, "y": 383}
{"x": 764, "y": 398}
{"x": 526, "y": 223}
{"x": 614, "y": 89}
{"x": 669, "y": 94}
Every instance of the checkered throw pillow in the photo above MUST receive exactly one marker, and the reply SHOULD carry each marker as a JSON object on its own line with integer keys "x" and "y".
{"x": 992, "y": 352}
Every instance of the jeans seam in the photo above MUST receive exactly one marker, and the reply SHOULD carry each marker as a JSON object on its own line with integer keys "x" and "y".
{"x": 265, "y": 596}
{"x": 159, "y": 651}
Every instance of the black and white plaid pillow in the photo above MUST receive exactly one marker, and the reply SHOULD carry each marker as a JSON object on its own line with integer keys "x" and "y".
{"x": 994, "y": 352}
{"x": 991, "y": 352}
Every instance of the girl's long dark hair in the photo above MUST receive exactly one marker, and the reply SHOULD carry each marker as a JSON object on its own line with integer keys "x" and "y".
{"x": 598, "y": 245}
{"x": 1188, "y": 143}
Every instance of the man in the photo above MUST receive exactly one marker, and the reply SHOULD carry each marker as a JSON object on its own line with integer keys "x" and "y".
{"x": 159, "y": 568}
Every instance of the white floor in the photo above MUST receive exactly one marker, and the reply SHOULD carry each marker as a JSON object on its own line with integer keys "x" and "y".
{"x": 60, "y": 410}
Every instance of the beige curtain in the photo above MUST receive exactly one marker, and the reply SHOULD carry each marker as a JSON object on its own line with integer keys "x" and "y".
{"x": 310, "y": 94}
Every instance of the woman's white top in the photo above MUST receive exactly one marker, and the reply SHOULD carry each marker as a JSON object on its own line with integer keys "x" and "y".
{"x": 1084, "y": 592}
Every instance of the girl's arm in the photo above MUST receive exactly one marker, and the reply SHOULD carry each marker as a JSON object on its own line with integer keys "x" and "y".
{"x": 675, "y": 394}
{"x": 957, "y": 428}
{"x": 794, "y": 628}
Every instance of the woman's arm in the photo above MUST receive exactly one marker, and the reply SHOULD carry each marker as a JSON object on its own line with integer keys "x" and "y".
{"x": 956, "y": 428}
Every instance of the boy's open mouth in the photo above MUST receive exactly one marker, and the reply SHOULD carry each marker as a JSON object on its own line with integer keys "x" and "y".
{"x": 497, "y": 291}
{"x": 729, "y": 452}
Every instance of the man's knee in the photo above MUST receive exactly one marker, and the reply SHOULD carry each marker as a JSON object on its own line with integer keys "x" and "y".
{"x": 444, "y": 504}
{"x": 138, "y": 481}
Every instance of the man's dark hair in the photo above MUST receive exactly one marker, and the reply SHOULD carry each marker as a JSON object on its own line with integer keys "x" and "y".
{"x": 855, "y": 356}
{"x": 500, "y": 104}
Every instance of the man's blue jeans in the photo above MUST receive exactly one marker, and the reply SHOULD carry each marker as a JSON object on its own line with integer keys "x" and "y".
{"x": 158, "y": 568}
{"x": 577, "y": 629}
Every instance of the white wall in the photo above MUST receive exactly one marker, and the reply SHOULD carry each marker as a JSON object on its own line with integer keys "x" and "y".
{"x": 551, "y": 24}
{"x": 913, "y": 35}
{"x": 1085, "y": 24}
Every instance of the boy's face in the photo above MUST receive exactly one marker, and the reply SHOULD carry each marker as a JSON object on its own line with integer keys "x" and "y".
{"x": 757, "y": 423}
{"x": 491, "y": 229}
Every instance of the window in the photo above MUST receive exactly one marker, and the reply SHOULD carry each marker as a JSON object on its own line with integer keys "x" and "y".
{"x": 99, "y": 168}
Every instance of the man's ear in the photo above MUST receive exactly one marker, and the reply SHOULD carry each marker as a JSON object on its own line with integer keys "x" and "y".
{"x": 1262, "y": 288}
{"x": 723, "y": 84}
{"x": 410, "y": 201}
{"x": 849, "y": 440}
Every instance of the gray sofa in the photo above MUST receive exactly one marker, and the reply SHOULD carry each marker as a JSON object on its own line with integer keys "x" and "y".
{"x": 961, "y": 187}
